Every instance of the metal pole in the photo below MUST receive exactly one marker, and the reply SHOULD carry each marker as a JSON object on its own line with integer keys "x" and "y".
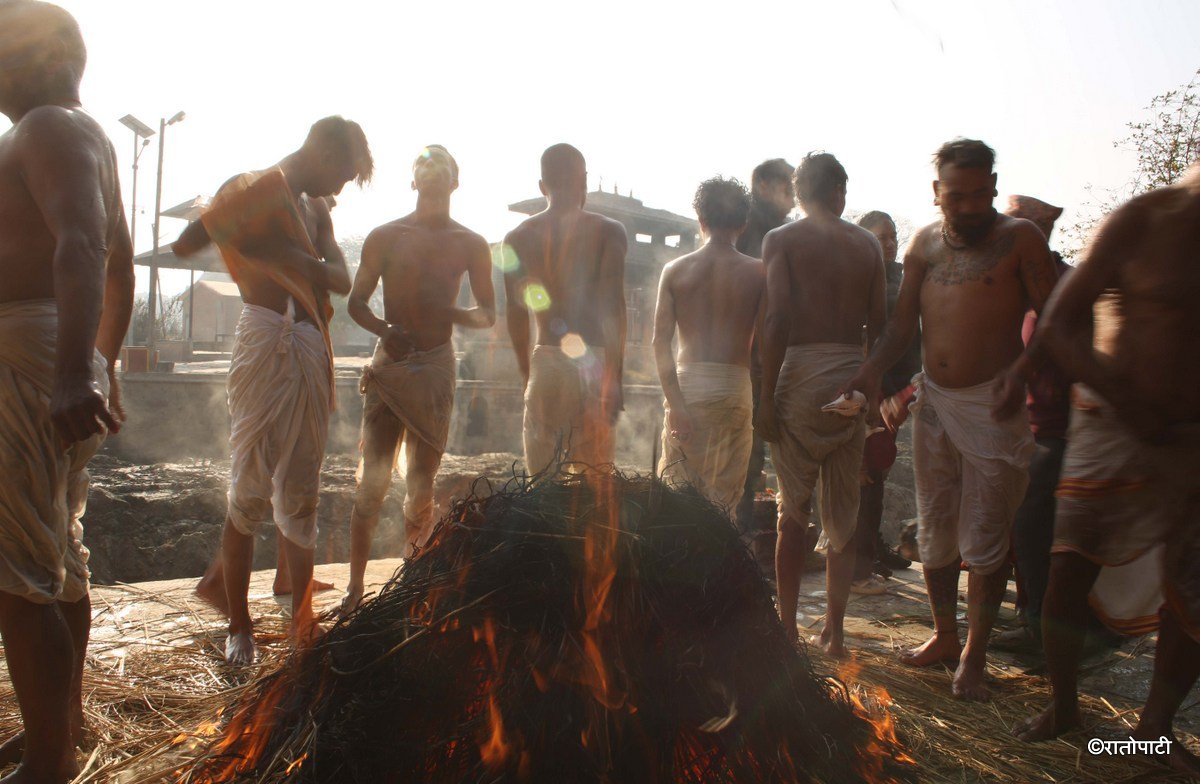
{"x": 153, "y": 304}
{"x": 137, "y": 144}
{"x": 191, "y": 306}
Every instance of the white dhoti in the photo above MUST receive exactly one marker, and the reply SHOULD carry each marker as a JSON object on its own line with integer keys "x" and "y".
{"x": 720, "y": 402}
{"x": 419, "y": 392}
{"x": 43, "y": 486}
{"x": 971, "y": 473}
{"x": 279, "y": 403}
{"x": 817, "y": 449}
{"x": 562, "y": 410}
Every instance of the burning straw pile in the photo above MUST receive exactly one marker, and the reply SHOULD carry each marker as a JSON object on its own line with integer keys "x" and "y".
{"x": 590, "y": 628}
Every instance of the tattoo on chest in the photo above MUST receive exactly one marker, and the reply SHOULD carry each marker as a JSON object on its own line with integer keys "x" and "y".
{"x": 952, "y": 266}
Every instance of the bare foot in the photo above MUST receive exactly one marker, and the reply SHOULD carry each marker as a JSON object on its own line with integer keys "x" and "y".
{"x": 353, "y": 598}
{"x": 12, "y": 749}
{"x": 283, "y": 587}
{"x": 1046, "y": 725}
{"x": 212, "y": 593}
{"x": 969, "y": 683}
{"x": 239, "y": 649}
{"x": 307, "y": 634}
{"x": 1179, "y": 758}
{"x": 941, "y": 648}
{"x": 834, "y": 644}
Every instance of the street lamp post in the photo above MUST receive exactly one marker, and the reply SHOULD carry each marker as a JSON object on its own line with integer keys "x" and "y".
{"x": 141, "y": 139}
{"x": 153, "y": 304}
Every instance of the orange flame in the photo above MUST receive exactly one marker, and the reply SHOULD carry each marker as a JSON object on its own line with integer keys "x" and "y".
{"x": 495, "y": 752}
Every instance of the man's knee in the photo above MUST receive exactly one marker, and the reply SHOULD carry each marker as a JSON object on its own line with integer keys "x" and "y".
{"x": 248, "y": 508}
{"x": 371, "y": 492}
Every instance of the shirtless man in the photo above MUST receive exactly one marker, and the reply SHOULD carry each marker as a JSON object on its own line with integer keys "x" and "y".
{"x": 566, "y": 267}
{"x": 275, "y": 234}
{"x": 1131, "y": 475}
{"x": 715, "y": 296}
{"x": 825, "y": 283}
{"x": 409, "y": 386}
{"x": 969, "y": 279}
{"x": 66, "y": 294}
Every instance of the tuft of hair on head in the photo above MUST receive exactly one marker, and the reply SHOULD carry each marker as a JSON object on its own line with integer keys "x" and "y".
{"x": 722, "y": 203}
{"x": 440, "y": 148}
{"x": 43, "y": 24}
{"x": 965, "y": 153}
{"x": 562, "y": 165}
{"x": 347, "y": 138}
{"x": 773, "y": 170}
{"x": 875, "y": 218}
{"x": 818, "y": 179}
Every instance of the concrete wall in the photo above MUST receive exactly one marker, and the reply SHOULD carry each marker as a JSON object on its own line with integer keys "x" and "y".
{"x": 180, "y": 417}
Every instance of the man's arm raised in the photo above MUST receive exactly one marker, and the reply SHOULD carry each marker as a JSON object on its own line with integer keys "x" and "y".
{"x": 900, "y": 329}
{"x": 330, "y": 274}
{"x": 776, "y": 328}
{"x": 664, "y": 358}
{"x": 1064, "y": 330}
{"x": 479, "y": 275}
{"x": 613, "y": 322}
{"x": 61, "y": 168}
{"x": 516, "y": 314}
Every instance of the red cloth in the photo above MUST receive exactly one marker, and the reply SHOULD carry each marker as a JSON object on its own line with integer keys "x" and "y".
{"x": 1049, "y": 398}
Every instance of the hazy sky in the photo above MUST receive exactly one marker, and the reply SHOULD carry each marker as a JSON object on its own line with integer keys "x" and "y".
{"x": 657, "y": 95}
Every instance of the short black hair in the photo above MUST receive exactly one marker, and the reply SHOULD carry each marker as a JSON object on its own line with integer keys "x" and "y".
{"x": 45, "y": 22}
{"x": 818, "y": 177}
{"x": 425, "y": 154}
{"x": 967, "y": 153}
{"x": 874, "y": 218}
{"x": 336, "y": 132}
{"x": 722, "y": 203}
{"x": 561, "y": 163}
{"x": 773, "y": 170}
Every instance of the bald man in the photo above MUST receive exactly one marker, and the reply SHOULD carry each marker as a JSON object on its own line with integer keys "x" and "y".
{"x": 66, "y": 294}
{"x": 565, "y": 267}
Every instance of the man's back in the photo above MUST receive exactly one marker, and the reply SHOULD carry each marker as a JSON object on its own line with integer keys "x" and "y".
{"x": 561, "y": 257}
{"x": 423, "y": 266}
{"x": 65, "y": 140}
{"x": 717, "y": 293}
{"x": 835, "y": 273}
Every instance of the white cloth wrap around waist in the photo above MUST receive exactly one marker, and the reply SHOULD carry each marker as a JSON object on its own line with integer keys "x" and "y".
{"x": 418, "y": 389}
{"x": 714, "y": 459}
{"x": 279, "y": 403}
{"x": 43, "y": 486}
{"x": 818, "y": 450}
{"x": 562, "y": 408}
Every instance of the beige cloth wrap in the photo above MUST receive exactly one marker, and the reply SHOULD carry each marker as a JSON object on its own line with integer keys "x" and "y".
{"x": 971, "y": 474}
{"x": 1135, "y": 509}
{"x": 43, "y": 487}
{"x": 418, "y": 391}
{"x": 279, "y": 403}
{"x": 562, "y": 407}
{"x": 720, "y": 401}
{"x": 818, "y": 449}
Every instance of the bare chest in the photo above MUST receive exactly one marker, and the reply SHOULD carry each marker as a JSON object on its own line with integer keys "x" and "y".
{"x": 994, "y": 264}
{"x": 424, "y": 264}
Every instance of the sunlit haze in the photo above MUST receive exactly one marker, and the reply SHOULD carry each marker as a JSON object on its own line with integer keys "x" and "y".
{"x": 658, "y": 96}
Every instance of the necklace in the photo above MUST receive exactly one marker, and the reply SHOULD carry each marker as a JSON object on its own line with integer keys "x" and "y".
{"x": 946, "y": 239}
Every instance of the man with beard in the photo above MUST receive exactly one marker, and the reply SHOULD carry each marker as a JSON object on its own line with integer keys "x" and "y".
{"x": 968, "y": 280}
{"x": 1123, "y": 324}
{"x": 771, "y": 199}
{"x": 566, "y": 267}
{"x": 66, "y": 294}
{"x": 408, "y": 389}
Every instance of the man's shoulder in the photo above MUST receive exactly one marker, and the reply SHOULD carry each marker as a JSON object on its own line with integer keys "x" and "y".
{"x": 603, "y": 223}
{"x": 58, "y": 126}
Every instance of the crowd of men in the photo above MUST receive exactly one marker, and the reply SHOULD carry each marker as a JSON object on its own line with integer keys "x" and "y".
{"x": 813, "y": 347}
